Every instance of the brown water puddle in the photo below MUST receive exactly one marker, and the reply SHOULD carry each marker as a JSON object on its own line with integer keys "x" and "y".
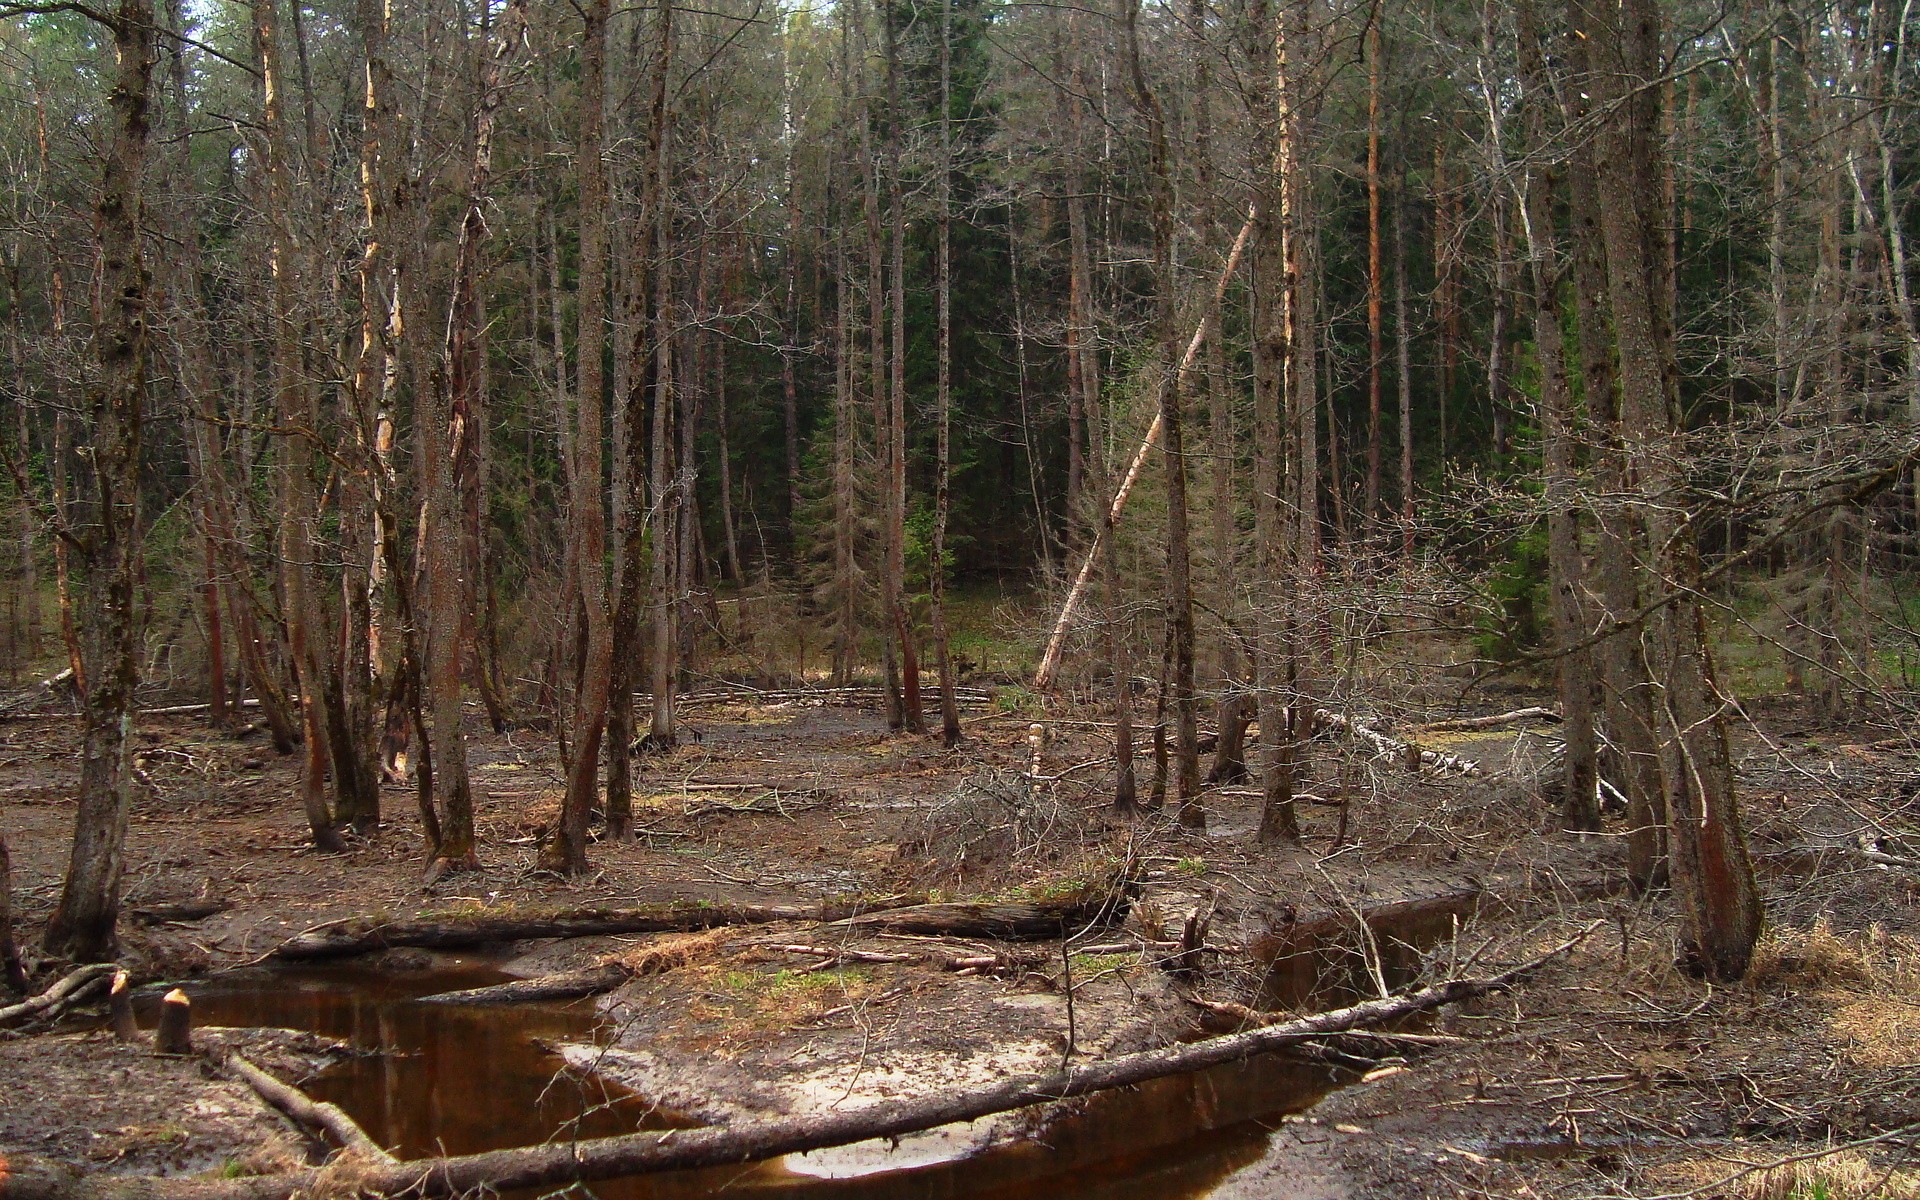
{"x": 434, "y": 1079}
{"x": 439, "y": 1079}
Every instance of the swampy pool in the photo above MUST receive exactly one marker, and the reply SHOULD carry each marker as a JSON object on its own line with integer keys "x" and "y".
{"x": 447, "y": 1079}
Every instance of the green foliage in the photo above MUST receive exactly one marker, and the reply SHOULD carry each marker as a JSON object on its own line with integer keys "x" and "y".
{"x": 1519, "y": 588}
{"x": 1016, "y": 700}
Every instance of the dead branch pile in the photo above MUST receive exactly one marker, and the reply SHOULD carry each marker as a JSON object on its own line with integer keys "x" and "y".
{"x": 992, "y": 824}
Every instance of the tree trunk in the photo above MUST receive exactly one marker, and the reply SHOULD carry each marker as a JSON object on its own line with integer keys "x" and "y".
{"x": 565, "y": 849}
{"x": 442, "y": 421}
{"x": 1580, "y": 807}
{"x": 1625, "y": 685}
{"x": 664, "y": 510}
{"x": 1713, "y": 884}
{"x": 943, "y": 468}
{"x": 1179, "y": 586}
{"x": 294, "y": 414}
{"x": 108, "y": 538}
{"x": 1403, "y": 361}
{"x": 913, "y": 716}
{"x": 12, "y": 974}
{"x": 1374, "y": 289}
{"x": 877, "y": 387}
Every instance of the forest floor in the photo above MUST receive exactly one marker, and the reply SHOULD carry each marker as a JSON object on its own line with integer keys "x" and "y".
{"x": 1610, "y": 1072}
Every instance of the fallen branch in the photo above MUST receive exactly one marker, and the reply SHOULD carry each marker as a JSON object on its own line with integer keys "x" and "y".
{"x": 1410, "y": 755}
{"x": 70, "y": 989}
{"x": 1871, "y": 850}
{"x": 318, "y": 1115}
{"x": 16, "y": 704}
{"x": 839, "y": 956}
{"x": 1518, "y": 715}
{"x": 564, "y": 1163}
{"x": 360, "y": 935}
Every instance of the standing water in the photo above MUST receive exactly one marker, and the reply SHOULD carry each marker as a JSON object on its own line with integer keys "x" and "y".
{"x": 457, "y": 1079}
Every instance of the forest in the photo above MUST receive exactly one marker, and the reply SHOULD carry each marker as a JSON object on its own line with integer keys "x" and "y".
{"x": 1302, "y": 598}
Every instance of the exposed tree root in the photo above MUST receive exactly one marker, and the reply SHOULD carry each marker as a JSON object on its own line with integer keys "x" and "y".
{"x": 71, "y": 988}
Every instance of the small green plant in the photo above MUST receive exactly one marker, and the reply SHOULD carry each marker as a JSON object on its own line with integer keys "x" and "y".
{"x": 1016, "y": 700}
{"x": 1191, "y": 867}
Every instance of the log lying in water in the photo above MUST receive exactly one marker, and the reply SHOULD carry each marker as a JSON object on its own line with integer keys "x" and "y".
{"x": 361, "y": 935}
{"x": 314, "y": 1114}
{"x": 561, "y": 985}
{"x": 560, "y": 1164}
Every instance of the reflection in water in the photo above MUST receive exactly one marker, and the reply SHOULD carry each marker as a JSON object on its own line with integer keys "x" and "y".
{"x": 440, "y": 1079}
{"x": 459, "y": 1079}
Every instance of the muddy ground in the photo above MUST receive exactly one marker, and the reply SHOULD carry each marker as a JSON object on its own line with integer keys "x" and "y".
{"x": 1610, "y": 1072}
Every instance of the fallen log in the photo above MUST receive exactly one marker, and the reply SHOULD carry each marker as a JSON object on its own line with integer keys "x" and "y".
{"x": 561, "y": 1164}
{"x": 304, "y": 1110}
{"x": 1464, "y": 724}
{"x": 16, "y": 704}
{"x": 1009, "y": 921}
{"x": 184, "y": 912}
{"x": 561, "y": 985}
{"x": 361, "y": 935}
{"x": 70, "y": 989}
{"x": 834, "y": 956}
{"x": 1412, "y": 756}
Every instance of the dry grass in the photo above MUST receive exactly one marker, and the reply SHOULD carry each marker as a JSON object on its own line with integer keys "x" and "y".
{"x": 732, "y": 1004}
{"x": 1846, "y": 1175}
{"x": 673, "y": 951}
{"x": 1819, "y": 958}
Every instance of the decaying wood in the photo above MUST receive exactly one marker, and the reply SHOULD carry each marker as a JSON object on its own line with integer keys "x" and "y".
{"x": 71, "y": 988}
{"x": 360, "y": 935}
{"x": 1516, "y": 717}
{"x": 184, "y": 911}
{"x": 1406, "y": 753}
{"x": 564, "y": 1163}
{"x": 316, "y": 1115}
{"x": 833, "y": 955}
{"x": 1011, "y": 921}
